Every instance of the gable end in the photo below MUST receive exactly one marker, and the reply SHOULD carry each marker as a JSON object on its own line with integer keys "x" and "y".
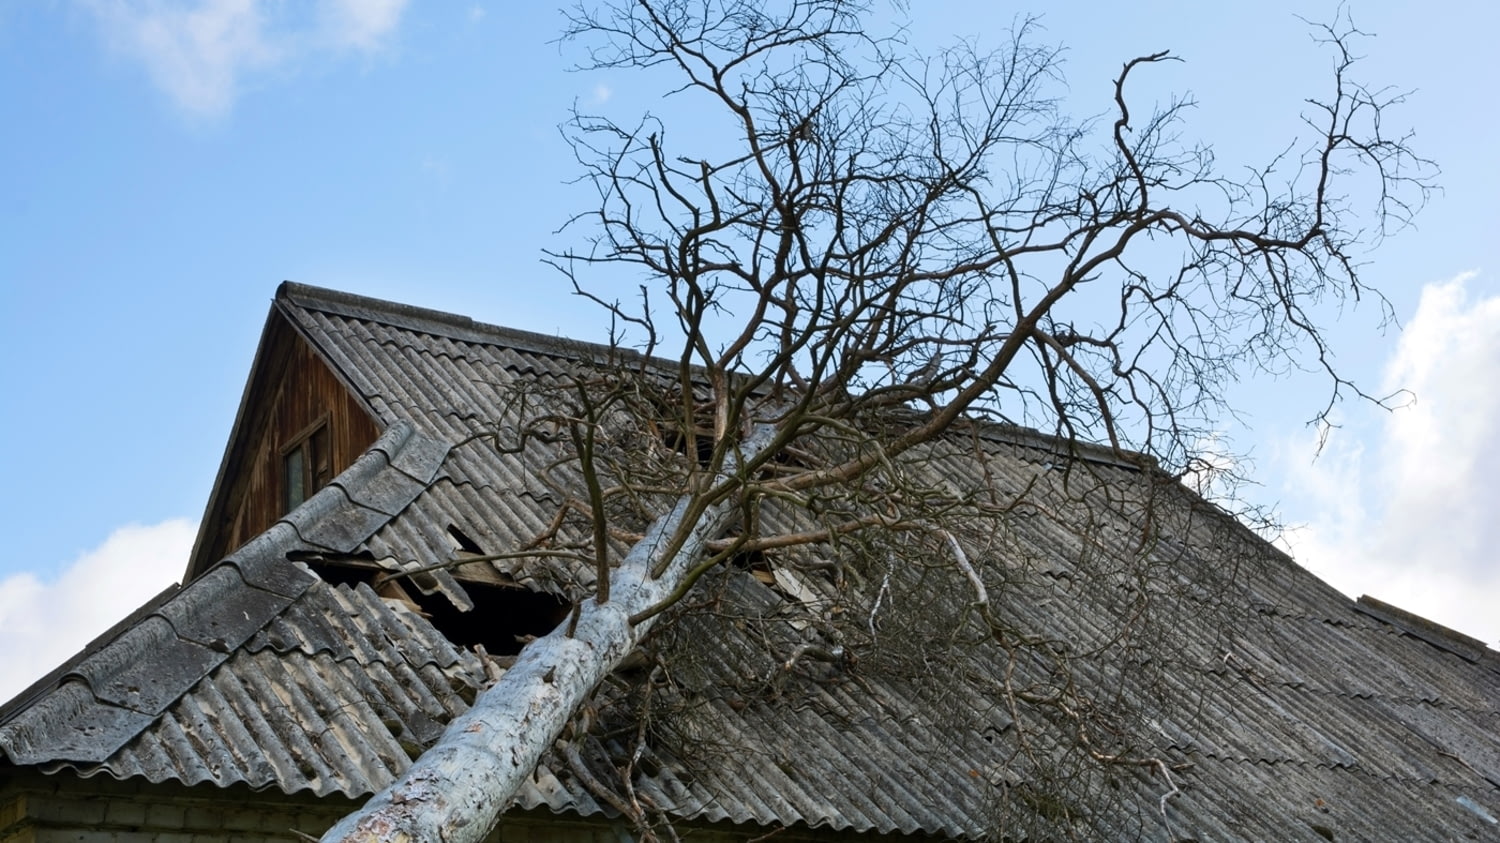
{"x": 293, "y": 399}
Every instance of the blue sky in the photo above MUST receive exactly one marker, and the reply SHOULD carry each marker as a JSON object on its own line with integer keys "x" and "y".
{"x": 167, "y": 162}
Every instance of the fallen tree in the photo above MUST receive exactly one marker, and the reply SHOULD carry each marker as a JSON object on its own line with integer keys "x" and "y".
{"x": 891, "y": 245}
{"x": 449, "y": 793}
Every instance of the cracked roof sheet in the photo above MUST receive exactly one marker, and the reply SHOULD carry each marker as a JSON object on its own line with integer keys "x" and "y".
{"x": 1304, "y": 715}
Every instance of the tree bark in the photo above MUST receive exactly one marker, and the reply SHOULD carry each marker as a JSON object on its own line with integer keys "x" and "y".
{"x": 456, "y": 791}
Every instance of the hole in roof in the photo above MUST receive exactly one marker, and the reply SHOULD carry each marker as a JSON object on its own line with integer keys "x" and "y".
{"x": 503, "y": 620}
{"x": 753, "y": 561}
{"x": 750, "y": 560}
{"x": 463, "y": 542}
{"x": 702, "y": 442}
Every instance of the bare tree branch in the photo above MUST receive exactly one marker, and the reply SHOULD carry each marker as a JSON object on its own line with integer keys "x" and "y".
{"x": 884, "y": 261}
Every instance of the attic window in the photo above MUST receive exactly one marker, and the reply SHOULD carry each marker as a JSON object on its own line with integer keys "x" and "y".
{"x": 306, "y": 465}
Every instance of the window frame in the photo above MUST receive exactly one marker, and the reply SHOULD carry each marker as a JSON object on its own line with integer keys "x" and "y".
{"x": 314, "y": 475}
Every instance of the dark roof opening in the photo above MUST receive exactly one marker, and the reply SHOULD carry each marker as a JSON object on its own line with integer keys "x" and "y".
{"x": 702, "y": 442}
{"x": 503, "y": 619}
{"x": 465, "y": 544}
{"x": 750, "y": 560}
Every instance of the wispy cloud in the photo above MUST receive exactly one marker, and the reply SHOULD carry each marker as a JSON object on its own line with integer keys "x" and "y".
{"x": 200, "y": 51}
{"x": 1410, "y": 517}
{"x": 195, "y": 54}
{"x": 361, "y": 24}
{"x": 44, "y": 623}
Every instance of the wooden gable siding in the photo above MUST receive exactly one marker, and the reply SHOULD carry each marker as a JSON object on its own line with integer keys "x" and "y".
{"x": 306, "y": 394}
{"x": 292, "y": 389}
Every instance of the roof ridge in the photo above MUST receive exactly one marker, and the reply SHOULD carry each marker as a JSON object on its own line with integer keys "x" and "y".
{"x": 1443, "y": 637}
{"x": 441, "y": 322}
{"x": 460, "y": 327}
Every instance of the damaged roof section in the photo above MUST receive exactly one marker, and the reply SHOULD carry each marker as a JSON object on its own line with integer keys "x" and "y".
{"x": 318, "y": 657}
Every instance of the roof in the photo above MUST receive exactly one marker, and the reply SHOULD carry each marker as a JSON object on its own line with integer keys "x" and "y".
{"x": 1271, "y": 706}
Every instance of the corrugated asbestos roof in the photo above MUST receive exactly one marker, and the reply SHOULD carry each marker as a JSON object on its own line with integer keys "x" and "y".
{"x": 1301, "y": 716}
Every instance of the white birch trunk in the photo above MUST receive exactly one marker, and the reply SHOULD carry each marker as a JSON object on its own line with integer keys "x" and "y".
{"x": 456, "y": 790}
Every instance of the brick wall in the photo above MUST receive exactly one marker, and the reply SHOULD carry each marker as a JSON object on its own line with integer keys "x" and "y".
{"x": 43, "y": 809}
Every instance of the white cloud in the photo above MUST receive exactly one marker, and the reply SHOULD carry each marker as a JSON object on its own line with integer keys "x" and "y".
{"x": 362, "y": 24}
{"x": 1410, "y": 518}
{"x": 194, "y": 54}
{"x": 43, "y": 623}
{"x": 199, "y": 51}
{"x": 602, "y": 93}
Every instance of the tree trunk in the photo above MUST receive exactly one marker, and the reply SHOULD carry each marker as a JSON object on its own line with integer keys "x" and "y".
{"x": 456, "y": 790}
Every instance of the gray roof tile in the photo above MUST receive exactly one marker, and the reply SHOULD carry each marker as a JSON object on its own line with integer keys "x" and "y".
{"x": 69, "y": 725}
{"x": 220, "y": 610}
{"x": 147, "y": 667}
{"x": 262, "y": 562}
